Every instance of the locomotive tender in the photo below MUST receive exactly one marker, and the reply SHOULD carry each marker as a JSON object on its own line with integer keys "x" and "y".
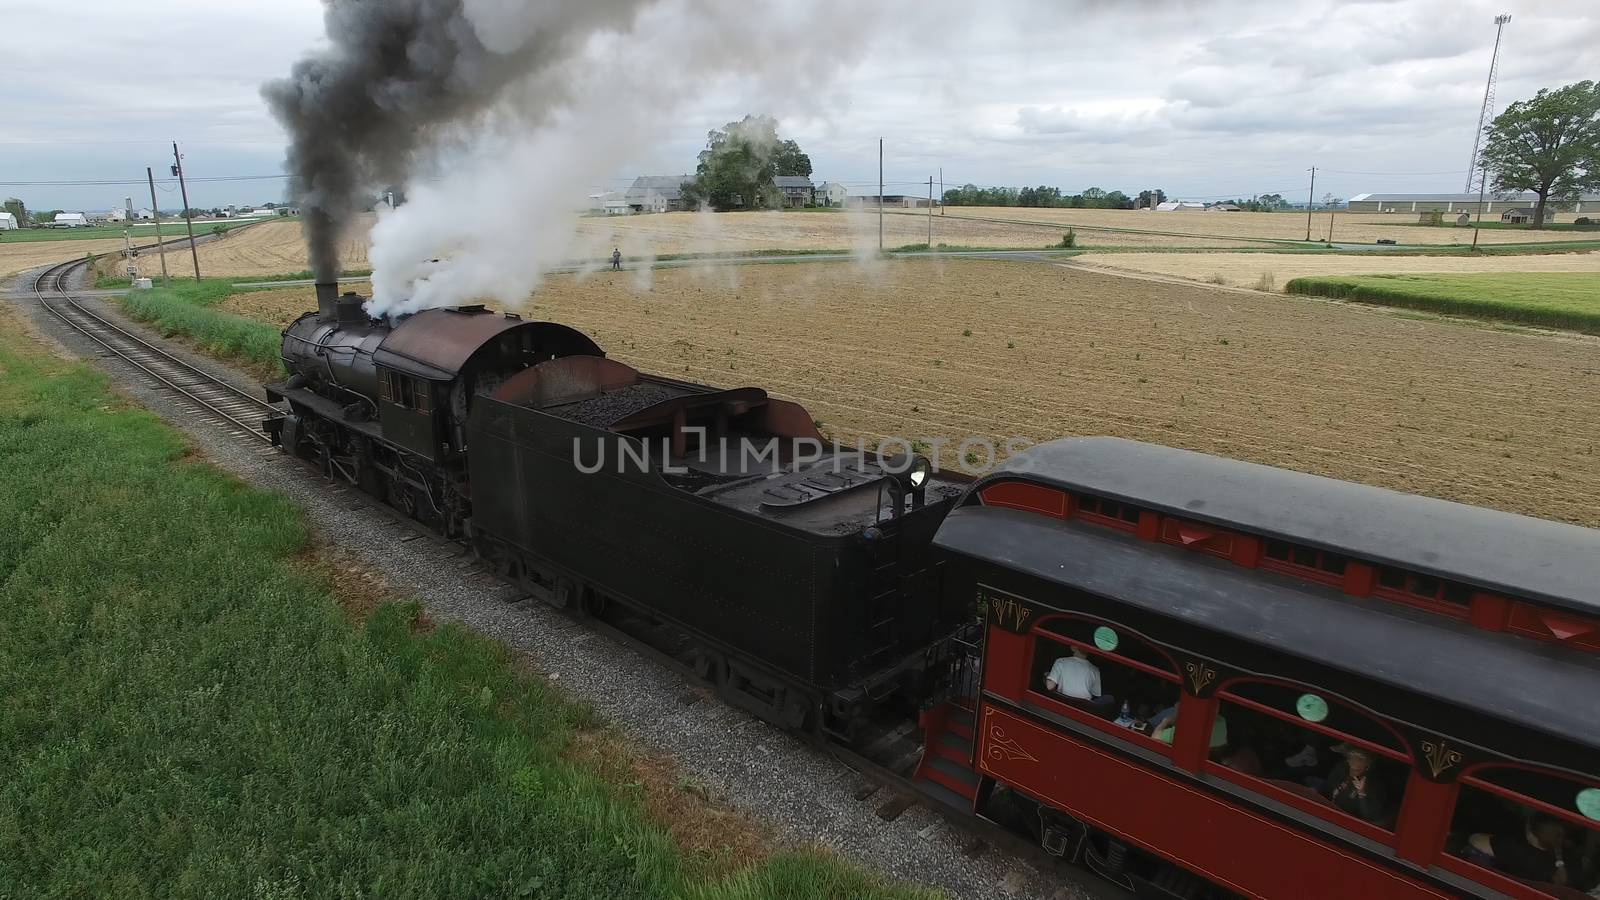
{"x": 793, "y": 573}
{"x": 1251, "y": 625}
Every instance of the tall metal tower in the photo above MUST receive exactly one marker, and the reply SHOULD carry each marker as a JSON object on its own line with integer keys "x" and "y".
{"x": 1486, "y": 114}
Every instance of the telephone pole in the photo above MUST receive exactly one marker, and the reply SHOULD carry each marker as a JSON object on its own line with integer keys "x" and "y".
{"x": 155, "y": 210}
{"x": 880, "y": 195}
{"x": 1311, "y": 201}
{"x": 941, "y": 190}
{"x": 177, "y": 169}
{"x": 930, "y": 212}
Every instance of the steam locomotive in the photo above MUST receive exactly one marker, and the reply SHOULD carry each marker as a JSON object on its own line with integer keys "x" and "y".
{"x": 794, "y": 573}
{"x": 1252, "y": 631}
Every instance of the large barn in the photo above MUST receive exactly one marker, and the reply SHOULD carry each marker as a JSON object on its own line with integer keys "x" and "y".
{"x": 1493, "y": 204}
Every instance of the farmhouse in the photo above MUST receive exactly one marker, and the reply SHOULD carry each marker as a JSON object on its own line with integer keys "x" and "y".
{"x": 70, "y": 220}
{"x": 797, "y": 190}
{"x": 657, "y": 193}
{"x": 1452, "y": 203}
{"x": 832, "y": 193}
{"x": 1522, "y": 215}
{"x": 8, "y": 221}
{"x": 609, "y": 203}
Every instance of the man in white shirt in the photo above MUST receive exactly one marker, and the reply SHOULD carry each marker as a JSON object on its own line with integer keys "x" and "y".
{"x": 1074, "y": 676}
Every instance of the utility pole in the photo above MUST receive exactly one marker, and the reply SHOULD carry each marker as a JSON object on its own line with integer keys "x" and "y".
{"x": 941, "y": 190}
{"x": 880, "y": 195}
{"x": 1311, "y": 201}
{"x": 1330, "y": 225}
{"x": 177, "y": 169}
{"x": 155, "y": 210}
{"x": 930, "y": 212}
{"x": 1483, "y": 184}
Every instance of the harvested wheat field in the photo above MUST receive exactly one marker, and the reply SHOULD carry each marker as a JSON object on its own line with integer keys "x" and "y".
{"x": 1359, "y": 228}
{"x": 1507, "y": 420}
{"x": 20, "y": 257}
{"x": 831, "y": 230}
{"x": 276, "y": 248}
{"x": 1272, "y": 270}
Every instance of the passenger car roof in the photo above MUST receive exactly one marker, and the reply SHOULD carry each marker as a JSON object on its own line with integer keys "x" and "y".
{"x": 1532, "y": 685}
{"x": 1517, "y": 555}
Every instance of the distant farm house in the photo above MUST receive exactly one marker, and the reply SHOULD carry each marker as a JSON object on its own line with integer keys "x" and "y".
{"x": 1467, "y": 203}
{"x": 1179, "y": 206}
{"x": 797, "y": 190}
{"x": 657, "y": 194}
{"x": 1225, "y": 207}
{"x": 832, "y": 193}
{"x": 1522, "y": 215}
{"x": 890, "y": 201}
{"x": 609, "y": 203}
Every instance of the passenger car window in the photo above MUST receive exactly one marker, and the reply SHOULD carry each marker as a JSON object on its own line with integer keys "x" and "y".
{"x": 1540, "y": 829}
{"x": 1292, "y": 741}
{"x": 1100, "y": 669}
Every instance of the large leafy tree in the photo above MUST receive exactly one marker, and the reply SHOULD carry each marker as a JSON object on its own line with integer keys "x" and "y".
{"x": 1549, "y": 145}
{"x": 740, "y": 160}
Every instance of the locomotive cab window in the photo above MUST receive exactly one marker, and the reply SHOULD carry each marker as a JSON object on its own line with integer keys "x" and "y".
{"x": 403, "y": 390}
{"x": 1539, "y": 829}
{"x": 1303, "y": 747}
{"x": 1103, "y": 673}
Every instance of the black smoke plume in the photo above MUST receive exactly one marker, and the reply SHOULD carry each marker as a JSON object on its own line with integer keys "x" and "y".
{"x": 397, "y": 74}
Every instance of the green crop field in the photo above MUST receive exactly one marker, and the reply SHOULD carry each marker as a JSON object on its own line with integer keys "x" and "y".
{"x": 188, "y": 710}
{"x": 142, "y": 234}
{"x": 1569, "y": 300}
{"x": 185, "y": 310}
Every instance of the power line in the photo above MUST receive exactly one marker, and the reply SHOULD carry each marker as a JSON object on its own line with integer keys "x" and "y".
{"x": 112, "y": 182}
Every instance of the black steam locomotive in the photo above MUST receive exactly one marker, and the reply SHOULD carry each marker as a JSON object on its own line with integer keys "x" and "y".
{"x": 792, "y": 572}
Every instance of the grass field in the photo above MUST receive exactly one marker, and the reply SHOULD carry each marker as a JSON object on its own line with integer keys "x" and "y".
{"x": 142, "y": 233}
{"x": 190, "y": 712}
{"x": 960, "y": 348}
{"x": 1556, "y": 300}
{"x": 188, "y": 310}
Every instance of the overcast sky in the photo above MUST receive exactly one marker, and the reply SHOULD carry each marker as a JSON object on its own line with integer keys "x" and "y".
{"x": 1203, "y": 99}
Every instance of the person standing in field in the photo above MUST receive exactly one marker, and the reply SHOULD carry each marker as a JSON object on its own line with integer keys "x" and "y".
{"x": 616, "y": 259}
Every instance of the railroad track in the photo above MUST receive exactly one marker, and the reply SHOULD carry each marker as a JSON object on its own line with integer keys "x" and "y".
{"x": 239, "y": 411}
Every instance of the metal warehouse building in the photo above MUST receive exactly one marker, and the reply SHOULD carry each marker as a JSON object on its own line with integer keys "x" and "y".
{"x": 1468, "y": 203}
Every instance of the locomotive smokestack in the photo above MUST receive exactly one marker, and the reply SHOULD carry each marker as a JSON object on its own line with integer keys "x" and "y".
{"x": 327, "y": 301}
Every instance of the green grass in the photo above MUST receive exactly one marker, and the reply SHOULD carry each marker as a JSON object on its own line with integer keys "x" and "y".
{"x": 141, "y": 233}
{"x": 186, "y": 310}
{"x": 1555, "y": 300}
{"x": 187, "y": 712}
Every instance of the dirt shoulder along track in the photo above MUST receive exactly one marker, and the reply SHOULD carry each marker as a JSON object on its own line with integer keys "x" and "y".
{"x": 1465, "y": 412}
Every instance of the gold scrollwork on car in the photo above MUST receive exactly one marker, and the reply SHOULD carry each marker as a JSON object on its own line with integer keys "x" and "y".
{"x": 1440, "y": 756}
{"x": 1004, "y": 748}
{"x": 1201, "y": 675}
{"x": 1008, "y": 612}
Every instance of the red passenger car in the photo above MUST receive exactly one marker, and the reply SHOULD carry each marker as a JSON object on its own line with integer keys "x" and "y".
{"x": 1203, "y": 677}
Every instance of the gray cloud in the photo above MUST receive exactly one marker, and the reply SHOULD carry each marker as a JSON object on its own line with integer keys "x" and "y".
{"x": 1233, "y": 96}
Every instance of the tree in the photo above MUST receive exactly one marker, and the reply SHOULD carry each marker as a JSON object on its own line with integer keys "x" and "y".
{"x": 1549, "y": 145}
{"x": 737, "y": 167}
{"x": 1150, "y": 200}
{"x": 19, "y": 210}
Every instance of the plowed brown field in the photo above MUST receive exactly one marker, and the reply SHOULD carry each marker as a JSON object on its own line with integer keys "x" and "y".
{"x": 1509, "y": 420}
{"x": 1359, "y": 228}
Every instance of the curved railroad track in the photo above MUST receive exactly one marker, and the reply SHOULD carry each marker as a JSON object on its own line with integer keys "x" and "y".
{"x": 227, "y": 406}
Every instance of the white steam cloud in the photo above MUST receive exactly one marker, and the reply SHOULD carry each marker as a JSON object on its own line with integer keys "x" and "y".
{"x": 499, "y": 210}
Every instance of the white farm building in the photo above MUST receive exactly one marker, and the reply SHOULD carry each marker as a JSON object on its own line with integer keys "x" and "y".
{"x": 1468, "y": 203}
{"x": 8, "y": 222}
{"x": 1179, "y": 205}
{"x": 70, "y": 220}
